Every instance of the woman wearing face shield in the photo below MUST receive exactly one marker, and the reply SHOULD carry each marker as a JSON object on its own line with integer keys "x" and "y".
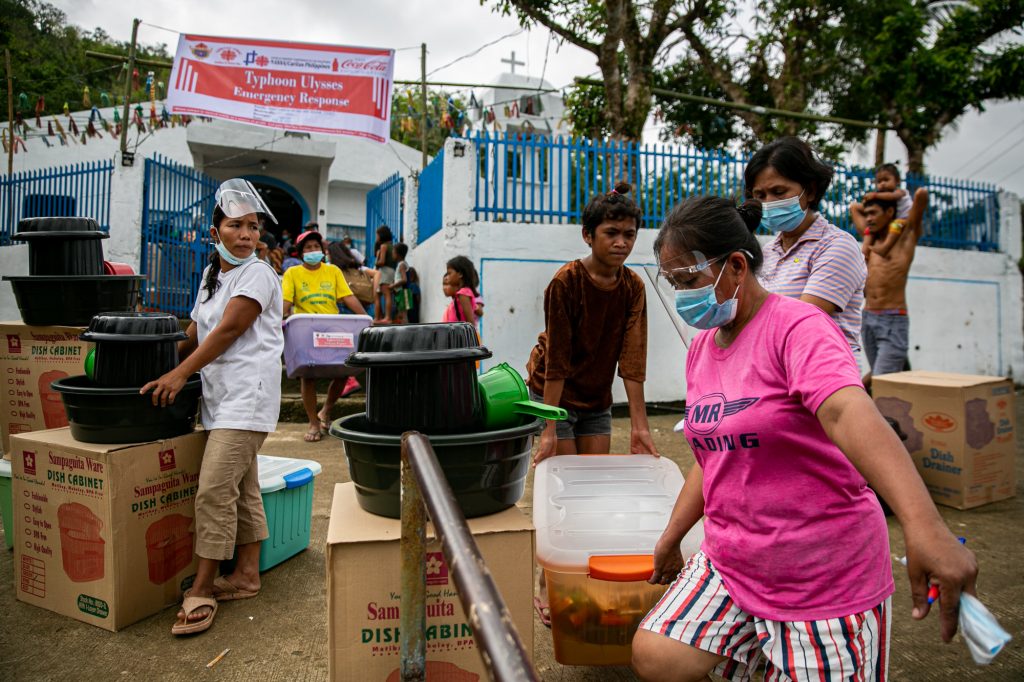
{"x": 235, "y": 341}
{"x": 810, "y": 258}
{"x": 795, "y": 563}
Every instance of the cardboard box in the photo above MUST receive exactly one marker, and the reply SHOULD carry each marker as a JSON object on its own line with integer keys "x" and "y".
{"x": 30, "y": 359}
{"x": 364, "y": 593}
{"x": 104, "y": 533}
{"x": 960, "y": 430}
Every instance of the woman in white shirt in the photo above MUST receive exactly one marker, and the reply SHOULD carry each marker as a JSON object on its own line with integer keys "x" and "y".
{"x": 235, "y": 341}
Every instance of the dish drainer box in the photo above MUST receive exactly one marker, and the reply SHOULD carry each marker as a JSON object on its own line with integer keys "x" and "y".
{"x": 287, "y": 488}
{"x": 598, "y": 518}
{"x": 5, "y": 502}
{"x": 30, "y": 359}
{"x": 104, "y": 533}
{"x": 961, "y": 432}
{"x": 316, "y": 346}
{"x": 364, "y": 593}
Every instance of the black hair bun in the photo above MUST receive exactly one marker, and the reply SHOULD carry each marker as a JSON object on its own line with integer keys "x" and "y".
{"x": 623, "y": 188}
{"x": 750, "y": 211}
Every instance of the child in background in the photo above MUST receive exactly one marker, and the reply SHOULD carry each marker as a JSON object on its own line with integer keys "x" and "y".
{"x": 385, "y": 264}
{"x": 402, "y": 295}
{"x": 887, "y": 188}
{"x": 460, "y": 283}
{"x": 595, "y": 312}
{"x": 414, "y": 287}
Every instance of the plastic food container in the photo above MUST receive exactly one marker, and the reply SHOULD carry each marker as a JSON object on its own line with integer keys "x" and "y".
{"x": 5, "y": 502}
{"x": 317, "y": 346}
{"x": 132, "y": 348}
{"x": 287, "y": 488}
{"x": 598, "y": 518}
{"x": 99, "y": 414}
{"x": 506, "y": 399}
{"x": 421, "y": 377}
{"x": 73, "y": 301}
{"x": 486, "y": 469}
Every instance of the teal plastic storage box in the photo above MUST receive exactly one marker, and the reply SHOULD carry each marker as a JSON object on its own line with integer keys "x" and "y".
{"x": 287, "y": 488}
{"x": 5, "y": 502}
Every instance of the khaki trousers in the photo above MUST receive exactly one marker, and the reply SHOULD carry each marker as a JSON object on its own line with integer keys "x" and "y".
{"x": 229, "y": 507}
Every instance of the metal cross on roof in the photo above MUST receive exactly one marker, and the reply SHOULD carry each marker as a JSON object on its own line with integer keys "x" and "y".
{"x": 512, "y": 62}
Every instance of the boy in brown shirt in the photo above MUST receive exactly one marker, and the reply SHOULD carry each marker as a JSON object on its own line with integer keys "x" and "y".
{"x": 595, "y": 313}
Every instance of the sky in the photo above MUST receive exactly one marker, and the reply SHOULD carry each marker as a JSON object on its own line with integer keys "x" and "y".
{"x": 986, "y": 147}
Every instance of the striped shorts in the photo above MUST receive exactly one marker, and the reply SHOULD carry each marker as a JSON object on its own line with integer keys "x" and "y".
{"x": 696, "y": 610}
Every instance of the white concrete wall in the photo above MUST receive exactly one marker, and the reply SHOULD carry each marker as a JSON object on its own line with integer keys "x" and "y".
{"x": 346, "y": 205}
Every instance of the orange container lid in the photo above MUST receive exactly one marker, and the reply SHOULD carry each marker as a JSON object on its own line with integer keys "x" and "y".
{"x": 623, "y": 568}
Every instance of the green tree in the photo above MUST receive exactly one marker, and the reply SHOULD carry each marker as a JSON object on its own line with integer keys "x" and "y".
{"x": 919, "y": 71}
{"x": 626, "y": 38}
{"x": 48, "y": 60}
{"x": 446, "y": 114}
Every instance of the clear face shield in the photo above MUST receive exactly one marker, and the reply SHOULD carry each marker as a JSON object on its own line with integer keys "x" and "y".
{"x": 666, "y": 280}
{"x": 238, "y": 198}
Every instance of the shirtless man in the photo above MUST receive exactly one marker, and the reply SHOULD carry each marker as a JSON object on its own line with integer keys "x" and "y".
{"x": 888, "y": 247}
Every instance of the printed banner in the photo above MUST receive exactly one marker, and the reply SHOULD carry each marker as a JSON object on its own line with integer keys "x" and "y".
{"x": 331, "y": 89}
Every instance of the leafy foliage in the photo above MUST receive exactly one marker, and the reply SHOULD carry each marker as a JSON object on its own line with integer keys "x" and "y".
{"x": 446, "y": 114}
{"x": 48, "y": 60}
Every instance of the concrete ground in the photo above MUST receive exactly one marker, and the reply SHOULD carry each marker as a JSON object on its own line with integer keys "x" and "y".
{"x": 282, "y": 635}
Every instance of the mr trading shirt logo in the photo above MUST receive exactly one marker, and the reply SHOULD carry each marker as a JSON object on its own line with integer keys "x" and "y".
{"x": 705, "y": 415}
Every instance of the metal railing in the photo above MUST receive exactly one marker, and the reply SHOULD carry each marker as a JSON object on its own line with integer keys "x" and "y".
{"x": 384, "y": 204}
{"x": 528, "y": 178}
{"x": 429, "y": 203}
{"x": 425, "y": 492}
{"x": 79, "y": 189}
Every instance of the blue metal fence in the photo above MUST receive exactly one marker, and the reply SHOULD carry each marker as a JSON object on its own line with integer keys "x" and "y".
{"x": 177, "y": 211}
{"x": 526, "y": 178}
{"x": 429, "y": 197}
{"x": 336, "y": 231}
{"x": 80, "y": 189}
{"x": 384, "y": 207}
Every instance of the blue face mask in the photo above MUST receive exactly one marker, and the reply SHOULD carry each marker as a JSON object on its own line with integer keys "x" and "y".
{"x": 230, "y": 257}
{"x": 700, "y": 308}
{"x": 313, "y": 257}
{"x": 784, "y": 215}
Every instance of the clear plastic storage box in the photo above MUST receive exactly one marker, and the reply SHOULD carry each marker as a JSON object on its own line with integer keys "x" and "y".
{"x": 598, "y": 518}
{"x": 317, "y": 346}
{"x": 287, "y": 488}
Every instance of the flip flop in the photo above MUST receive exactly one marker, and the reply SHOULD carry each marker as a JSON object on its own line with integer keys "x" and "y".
{"x": 225, "y": 590}
{"x": 313, "y": 436}
{"x": 543, "y": 612}
{"x": 189, "y": 606}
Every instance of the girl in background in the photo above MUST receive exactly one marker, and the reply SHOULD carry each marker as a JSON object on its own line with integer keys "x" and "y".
{"x": 460, "y": 284}
{"x": 386, "y": 263}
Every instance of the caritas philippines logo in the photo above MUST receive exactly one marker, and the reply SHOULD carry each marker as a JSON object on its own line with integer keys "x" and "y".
{"x": 166, "y": 459}
{"x": 437, "y": 569}
{"x": 13, "y": 343}
{"x": 29, "y": 462}
{"x": 200, "y": 50}
{"x": 254, "y": 57}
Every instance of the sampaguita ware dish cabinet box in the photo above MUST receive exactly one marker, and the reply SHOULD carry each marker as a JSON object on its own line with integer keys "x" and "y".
{"x": 960, "y": 432}
{"x": 30, "y": 359}
{"x": 364, "y": 593}
{"x": 104, "y": 533}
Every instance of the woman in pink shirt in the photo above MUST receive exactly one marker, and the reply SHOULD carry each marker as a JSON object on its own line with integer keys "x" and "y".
{"x": 795, "y": 563}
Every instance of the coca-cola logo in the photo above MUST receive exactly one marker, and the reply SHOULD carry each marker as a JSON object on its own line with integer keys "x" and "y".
{"x": 357, "y": 65}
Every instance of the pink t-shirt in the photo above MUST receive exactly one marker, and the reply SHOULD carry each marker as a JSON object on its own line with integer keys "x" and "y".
{"x": 791, "y": 525}
{"x": 452, "y": 315}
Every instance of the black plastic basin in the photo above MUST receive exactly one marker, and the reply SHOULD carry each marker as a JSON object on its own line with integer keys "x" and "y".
{"x": 58, "y": 224}
{"x": 486, "y": 470}
{"x": 73, "y": 301}
{"x": 421, "y": 377}
{"x": 119, "y": 326}
{"x": 98, "y": 414}
{"x": 64, "y": 253}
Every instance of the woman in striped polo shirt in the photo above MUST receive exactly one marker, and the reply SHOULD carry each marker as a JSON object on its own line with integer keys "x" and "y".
{"x": 810, "y": 258}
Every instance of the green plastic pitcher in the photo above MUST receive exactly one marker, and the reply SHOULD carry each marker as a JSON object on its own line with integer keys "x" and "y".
{"x": 506, "y": 399}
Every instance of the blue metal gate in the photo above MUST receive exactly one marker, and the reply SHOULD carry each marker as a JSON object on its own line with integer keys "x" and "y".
{"x": 384, "y": 205}
{"x": 429, "y": 202}
{"x": 177, "y": 211}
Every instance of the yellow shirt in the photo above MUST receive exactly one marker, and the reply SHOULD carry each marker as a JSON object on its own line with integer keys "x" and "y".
{"x": 317, "y": 291}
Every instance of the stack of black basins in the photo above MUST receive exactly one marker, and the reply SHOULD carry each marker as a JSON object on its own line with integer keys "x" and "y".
{"x": 104, "y": 405}
{"x": 68, "y": 280}
{"x": 423, "y": 377}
